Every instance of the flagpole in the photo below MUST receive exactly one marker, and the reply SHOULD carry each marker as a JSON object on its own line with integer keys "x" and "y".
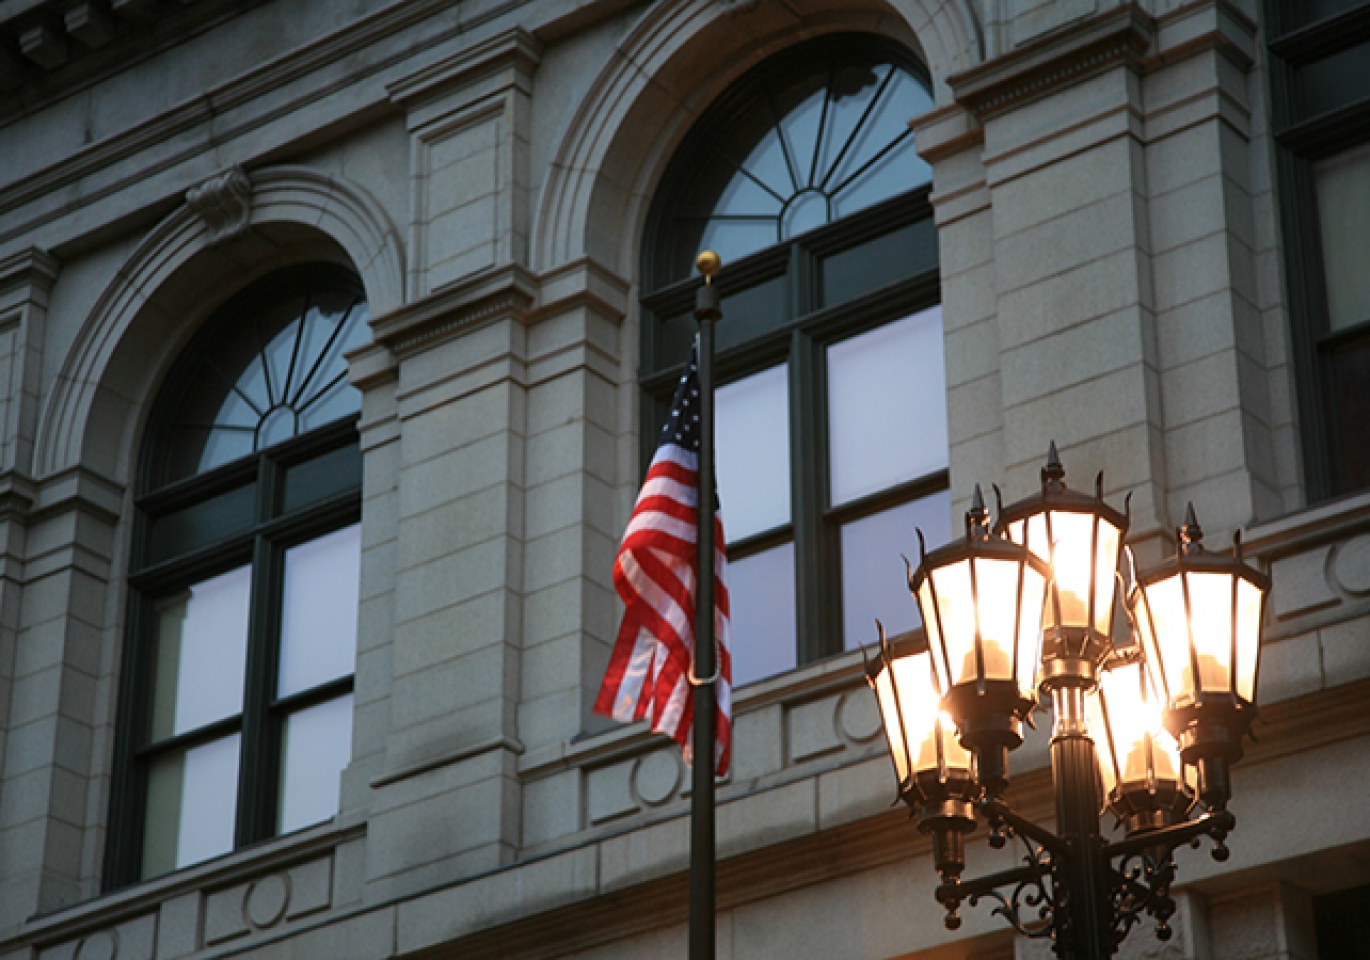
{"x": 707, "y": 313}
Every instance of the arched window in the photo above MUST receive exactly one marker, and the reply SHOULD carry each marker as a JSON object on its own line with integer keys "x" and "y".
{"x": 831, "y": 410}
{"x": 236, "y": 709}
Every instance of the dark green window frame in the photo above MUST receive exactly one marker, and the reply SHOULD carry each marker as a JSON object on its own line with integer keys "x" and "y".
{"x": 1320, "y": 106}
{"x": 787, "y": 303}
{"x": 247, "y": 512}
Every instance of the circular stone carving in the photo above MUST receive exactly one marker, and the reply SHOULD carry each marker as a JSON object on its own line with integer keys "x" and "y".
{"x": 857, "y": 716}
{"x": 1351, "y": 565}
{"x": 98, "y": 946}
{"x": 656, "y": 777}
{"x": 266, "y": 900}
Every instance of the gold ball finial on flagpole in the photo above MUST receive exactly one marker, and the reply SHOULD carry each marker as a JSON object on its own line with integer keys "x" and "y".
{"x": 708, "y": 263}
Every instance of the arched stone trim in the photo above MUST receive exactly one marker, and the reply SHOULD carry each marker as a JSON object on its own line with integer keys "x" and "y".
{"x": 638, "y": 108}
{"x": 328, "y": 208}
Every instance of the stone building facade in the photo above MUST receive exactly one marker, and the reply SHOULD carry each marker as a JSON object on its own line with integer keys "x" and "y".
{"x": 1141, "y": 234}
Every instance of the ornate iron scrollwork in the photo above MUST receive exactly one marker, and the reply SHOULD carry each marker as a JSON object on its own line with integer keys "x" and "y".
{"x": 1032, "y": 895}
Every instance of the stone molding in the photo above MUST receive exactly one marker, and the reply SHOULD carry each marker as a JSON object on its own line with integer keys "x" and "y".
{"x": 1085, "y": 48}
{"x": 376, "y": 33}
{"x": 508, "y": 291}
{"x": 41, "y": 34}
{"x": 331, "y": 205}
{"x": 115, "y": 915}
{"x": 507, "y": 58}
{"x": 605, "y": 132}
{"x": 224, "y": 204}
{"x": 27, "y": 273}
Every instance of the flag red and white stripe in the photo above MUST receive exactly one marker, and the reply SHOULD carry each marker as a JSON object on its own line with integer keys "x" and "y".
{"x": 654, "y": 573}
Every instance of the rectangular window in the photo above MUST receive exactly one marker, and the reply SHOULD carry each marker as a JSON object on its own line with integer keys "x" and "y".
{"x": 1320, "y": 81}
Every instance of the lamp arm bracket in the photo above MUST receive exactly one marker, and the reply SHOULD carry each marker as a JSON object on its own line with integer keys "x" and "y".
{"x": 998, "y": 813}
{"x": 1028, "y": 906}
{"x": 1140, "y": 883}
{"x": 1216, "y": 825}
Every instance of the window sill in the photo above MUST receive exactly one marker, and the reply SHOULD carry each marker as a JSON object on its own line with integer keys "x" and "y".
{"x": 626, "y": 740}
{"x": 241, "y": 866}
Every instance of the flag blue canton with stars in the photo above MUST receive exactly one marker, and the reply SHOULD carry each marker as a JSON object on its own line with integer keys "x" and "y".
{"x": 682, "y": 426}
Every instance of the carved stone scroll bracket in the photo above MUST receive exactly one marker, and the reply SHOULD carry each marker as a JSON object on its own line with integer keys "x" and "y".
{"x": 224, "y": 203}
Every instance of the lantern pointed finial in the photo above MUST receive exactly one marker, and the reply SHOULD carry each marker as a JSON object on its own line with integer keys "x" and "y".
{"x": 1190, "y": 536}
{"x": 977, "y": 517}
{"x": 1053, "y": 474}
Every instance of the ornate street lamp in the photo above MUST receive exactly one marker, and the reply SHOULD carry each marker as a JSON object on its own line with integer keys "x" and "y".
{"x": 1200, "y": 617}
{"x": 1028, "y": 608}
{"x": 981, "y": 599}
{"x": 1145, "y": 782}
{"x": 932, "y": 769}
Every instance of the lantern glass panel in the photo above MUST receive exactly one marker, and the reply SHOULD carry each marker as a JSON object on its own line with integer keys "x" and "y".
{"x": 1138, "y": 736}
{"x": 1072, "y": 561}
{"x": 997, "y": 586}
{"x": 928, "y": 609}
{"x": 956, "y": 609}
{"x": 925, "y": 722}
{"x": 1105, "y": 566}
{"x": 1030, "y": 614}
{"x": 1210, "y": 604}
{"x": 1248, "y": 637}
{"x": 889, "y": 715}
{"x": 1103, "y": 741}
{"x": 1166, "y": 606}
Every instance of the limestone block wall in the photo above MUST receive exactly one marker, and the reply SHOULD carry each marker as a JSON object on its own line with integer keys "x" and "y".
{"x": 1110, "y": 279}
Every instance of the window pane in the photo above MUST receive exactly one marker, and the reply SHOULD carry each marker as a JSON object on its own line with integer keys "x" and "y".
{"x": 880, "y": 160}
{"x": 752, "y": 434}
{"x": 761, "y": 591}
{"x": 874, "y": 585}
{"x": 319, "y": 611}
{"x": 201, "y": 654}
{"x": 203, "y": 523}
{"x": 1343, "y": 188}
{"x": 324, "y": 476}
{"x": 877, "y": 263}
{"x": 887, "y": 406}
{"x": 191, "y": 805}
{"x": 318, "y": 744}
{"x": 1334, "y": 81}
{"x": 1350, "y": 369}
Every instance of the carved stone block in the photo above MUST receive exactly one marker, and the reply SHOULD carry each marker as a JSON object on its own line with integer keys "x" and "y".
{"x": 224, "y": 203}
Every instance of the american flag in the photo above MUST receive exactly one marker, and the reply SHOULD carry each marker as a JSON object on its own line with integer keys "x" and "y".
{"x": 654, "y": 573}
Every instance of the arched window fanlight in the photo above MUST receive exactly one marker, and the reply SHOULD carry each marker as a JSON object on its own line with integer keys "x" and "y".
{"x": 820, "y": 139}
{"x": 290, "y": 376}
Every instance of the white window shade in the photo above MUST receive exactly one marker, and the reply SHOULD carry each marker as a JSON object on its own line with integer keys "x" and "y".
{"x": 887, "y": 406}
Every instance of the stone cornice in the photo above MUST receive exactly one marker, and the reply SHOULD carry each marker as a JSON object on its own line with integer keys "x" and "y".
{"x": 1316, "y": 525}
{"x": 52, "y": 48}
{"x": 1083, "y": 49}
{"x": 504, "y": 292}
{"x": 516, "y": 51}
{"x": 945, "y": 132}
{"x": 581, "y": 283}
{"x": 79, "y": 489}
{"x": 336, "y": 51}
{"x": 28, "y": 270}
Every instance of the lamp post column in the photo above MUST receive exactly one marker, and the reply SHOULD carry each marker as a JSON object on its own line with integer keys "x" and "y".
{"x": 1083, "y": 929}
